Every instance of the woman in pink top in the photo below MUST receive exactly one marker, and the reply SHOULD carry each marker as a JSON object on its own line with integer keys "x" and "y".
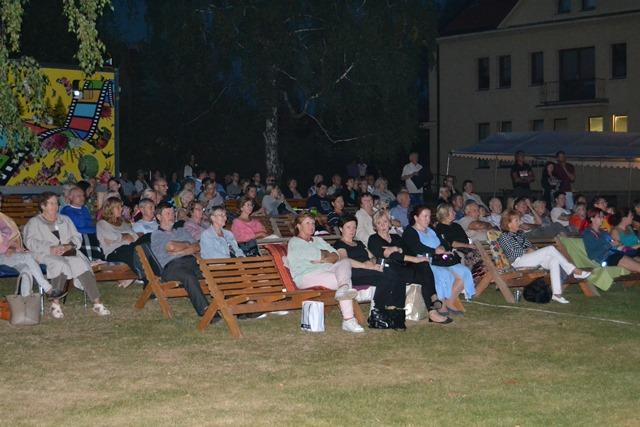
{"x": 247, "y": 230}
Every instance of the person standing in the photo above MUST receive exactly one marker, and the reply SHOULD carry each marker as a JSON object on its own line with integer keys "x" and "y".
{"x": 522, "y": 176}
{"x": 411, "y": 175}
{"x": 566, "y": 174}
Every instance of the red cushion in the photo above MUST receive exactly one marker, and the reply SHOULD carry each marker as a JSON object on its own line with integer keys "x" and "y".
{"x": 278, "y": 251}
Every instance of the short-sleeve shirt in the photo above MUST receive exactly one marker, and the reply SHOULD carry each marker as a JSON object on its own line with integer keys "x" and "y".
{"x": 144, "y": 227}
{"x": 321, "y": 203}
{"x": 408, "y": 169}
{"x": 522, "y": 170}
{"x": 556, "y": 213}
{"x": 159, "y": 240}
{"x": 565, "y": 181}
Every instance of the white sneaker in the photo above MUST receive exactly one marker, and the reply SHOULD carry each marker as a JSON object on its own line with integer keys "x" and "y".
{"x": 101, "y": 310}
{"x": 344, "y": 293}
{"x": 582, "y": 275}
{"x": 56, "y": 311}
{"x": 560, "y": 299}
{"x": 279, "y": 313}
{"x": 352, "y": 325}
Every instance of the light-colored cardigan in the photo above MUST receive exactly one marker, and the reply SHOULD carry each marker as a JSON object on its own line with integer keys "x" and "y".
{"x": 38, "y": 238}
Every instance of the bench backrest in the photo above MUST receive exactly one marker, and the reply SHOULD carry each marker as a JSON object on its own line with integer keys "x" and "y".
{"x": 238, "y": 276}
{"x": 283, "y": 225}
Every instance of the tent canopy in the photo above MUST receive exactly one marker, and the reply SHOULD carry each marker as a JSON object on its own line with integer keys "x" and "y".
{"x": 601, "y": 149}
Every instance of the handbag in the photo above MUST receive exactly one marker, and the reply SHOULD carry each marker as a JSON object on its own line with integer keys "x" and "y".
{"x": 414, "y": 305}
{"x": 25, "y": 310}
{"x": 312, "y": 316}
{"x": 445, "y": 260}
{"x": 383, "y": 318}
{"x": 70, "y": 252}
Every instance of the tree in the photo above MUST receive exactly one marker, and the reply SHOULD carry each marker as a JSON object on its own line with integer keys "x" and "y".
{"x": 59, "y": 113}
{"x": 20, "y": 77}
{"x": 347, "y": 68}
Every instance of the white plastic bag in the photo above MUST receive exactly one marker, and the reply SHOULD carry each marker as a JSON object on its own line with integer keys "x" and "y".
{"x": 312, "y": 316}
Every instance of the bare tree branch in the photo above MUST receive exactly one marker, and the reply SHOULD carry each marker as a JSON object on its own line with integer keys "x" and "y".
{"x": 215, "y": 101}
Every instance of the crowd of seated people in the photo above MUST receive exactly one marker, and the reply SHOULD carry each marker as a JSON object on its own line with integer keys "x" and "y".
{"x": 184, "y": 217}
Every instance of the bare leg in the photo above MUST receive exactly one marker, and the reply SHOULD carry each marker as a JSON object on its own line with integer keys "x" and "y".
{"x": 630, "y": 264}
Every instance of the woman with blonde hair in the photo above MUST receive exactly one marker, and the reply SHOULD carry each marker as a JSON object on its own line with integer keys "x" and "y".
{"x": 409, "y": 267}
{"x": 54, "y": 241}
{"x": 117, "y": 238}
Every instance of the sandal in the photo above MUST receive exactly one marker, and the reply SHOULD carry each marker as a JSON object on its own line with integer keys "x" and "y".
{"x": 101, "y": 310}
{"x": 56, "y": 311}
{"x": 56, "y": 293}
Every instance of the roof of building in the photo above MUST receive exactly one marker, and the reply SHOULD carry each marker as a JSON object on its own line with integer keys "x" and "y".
{"x": 481, "y": 15}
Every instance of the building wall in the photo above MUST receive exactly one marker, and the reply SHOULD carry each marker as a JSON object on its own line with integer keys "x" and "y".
{"x": 463, "y": 106}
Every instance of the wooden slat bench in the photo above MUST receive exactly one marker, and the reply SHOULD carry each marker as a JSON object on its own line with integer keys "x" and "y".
{"x": 248, "y": 285}
{"x": 297, "y": 203}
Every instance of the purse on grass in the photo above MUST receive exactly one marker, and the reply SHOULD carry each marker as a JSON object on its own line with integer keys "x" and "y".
{"x": 25, "y": 310}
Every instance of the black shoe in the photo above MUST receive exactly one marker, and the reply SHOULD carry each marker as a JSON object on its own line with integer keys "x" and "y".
{"x": 444, "y": 322}
{"x": 56, "y": 293}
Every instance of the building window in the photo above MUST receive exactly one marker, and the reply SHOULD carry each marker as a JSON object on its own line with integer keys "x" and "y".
{"x": 564, "y": 6}
{"x": 504, "y": 68}
{"x": 537, "y": 68}
{"x": 620, "y": 123}
{"x": 483, "y": 73}
{"x": 560, "y": 125}
{"x": 588, "y": 4}
{"x": 577, "y": 74}
{"x": 504, "y": 126}
{"x": 537, "y": 125}
{"x": 619, "y": 61}
{"x": 595, "y": 124}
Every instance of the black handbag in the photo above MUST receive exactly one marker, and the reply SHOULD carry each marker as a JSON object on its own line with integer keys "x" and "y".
{"x": 445, "y": 260}
{"x": 382, "y": 318}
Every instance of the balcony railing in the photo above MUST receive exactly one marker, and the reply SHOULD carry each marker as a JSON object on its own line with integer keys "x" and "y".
{"x": 573, "y": 92}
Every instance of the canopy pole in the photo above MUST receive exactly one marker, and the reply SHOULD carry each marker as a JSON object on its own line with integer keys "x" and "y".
{"x": 629, "y": 186}
{"x": 448, "y": 162}
{"x": 495, "y": 176}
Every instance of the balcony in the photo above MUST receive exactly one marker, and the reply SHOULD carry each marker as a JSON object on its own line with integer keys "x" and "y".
{"x": 573, "y": 92}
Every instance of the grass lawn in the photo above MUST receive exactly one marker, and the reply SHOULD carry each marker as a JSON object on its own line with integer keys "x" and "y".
{"x": 496, "y": 366}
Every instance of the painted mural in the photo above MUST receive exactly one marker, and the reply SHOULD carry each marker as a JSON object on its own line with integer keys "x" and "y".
{"x": 76, "y": 133}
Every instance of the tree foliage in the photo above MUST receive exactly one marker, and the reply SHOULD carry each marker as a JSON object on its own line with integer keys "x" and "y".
{"x": 20, "y": 78}
{"x": 348, "y": 70}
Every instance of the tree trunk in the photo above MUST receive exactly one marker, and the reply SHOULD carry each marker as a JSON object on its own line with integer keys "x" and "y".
{"x": 270, "y": 135}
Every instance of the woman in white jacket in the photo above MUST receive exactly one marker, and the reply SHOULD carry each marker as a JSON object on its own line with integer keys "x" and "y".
{"x": 54, "y": 241}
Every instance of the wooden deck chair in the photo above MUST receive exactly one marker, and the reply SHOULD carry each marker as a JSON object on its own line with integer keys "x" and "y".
{"x": 162, "y": 290}
{"x": 279, "y": 251}
{"x": 500, "y": 271}
{"x": 247, "y": 285}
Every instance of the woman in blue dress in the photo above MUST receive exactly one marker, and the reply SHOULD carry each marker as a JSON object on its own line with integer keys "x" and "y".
{"x": 421, "y": 239}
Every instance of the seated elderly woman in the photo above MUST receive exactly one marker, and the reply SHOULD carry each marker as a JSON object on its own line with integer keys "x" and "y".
{"x": 216, "y": 242}
{"x": 522, "y": 254}
{"x": 408, "y": 267}
{"x": 194, "y": 224}
{"x": 117, "y": 238}
{"x": 12, "y": 254}
{"x": 601, "y": 247}
{"x": 248, "y": 230}
{"x": 451, "y": 279}
{"x": 313, "y": 262}
{"x": 210, "y": 196}
{"x": 53, "y": 240}
{"x": 380, "y": 189}
{"x": 274, "y": 203}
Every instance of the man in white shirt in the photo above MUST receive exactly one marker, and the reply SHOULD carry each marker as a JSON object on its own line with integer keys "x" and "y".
{"x": 559, "y": 214}
{"x": 410, "y": 172}
{"x": 146, "y": 224}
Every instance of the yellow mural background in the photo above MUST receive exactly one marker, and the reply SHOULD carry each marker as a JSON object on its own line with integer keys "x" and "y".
{"x": 69, "y": 171}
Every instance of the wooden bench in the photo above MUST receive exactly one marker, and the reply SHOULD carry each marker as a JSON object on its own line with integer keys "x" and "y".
{"x": 250, "y": 285}
{"x": 20, "y": 212}
{"x": 297, "y": 203}
{"x": 113, "y": 272}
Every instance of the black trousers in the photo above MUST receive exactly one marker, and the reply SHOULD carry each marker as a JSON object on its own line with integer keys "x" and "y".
{"x": 186, "y": 270}
{"x": 389, "y": 291}
{"x": 128, "y": 255}
{"x": 420, "y": 274}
